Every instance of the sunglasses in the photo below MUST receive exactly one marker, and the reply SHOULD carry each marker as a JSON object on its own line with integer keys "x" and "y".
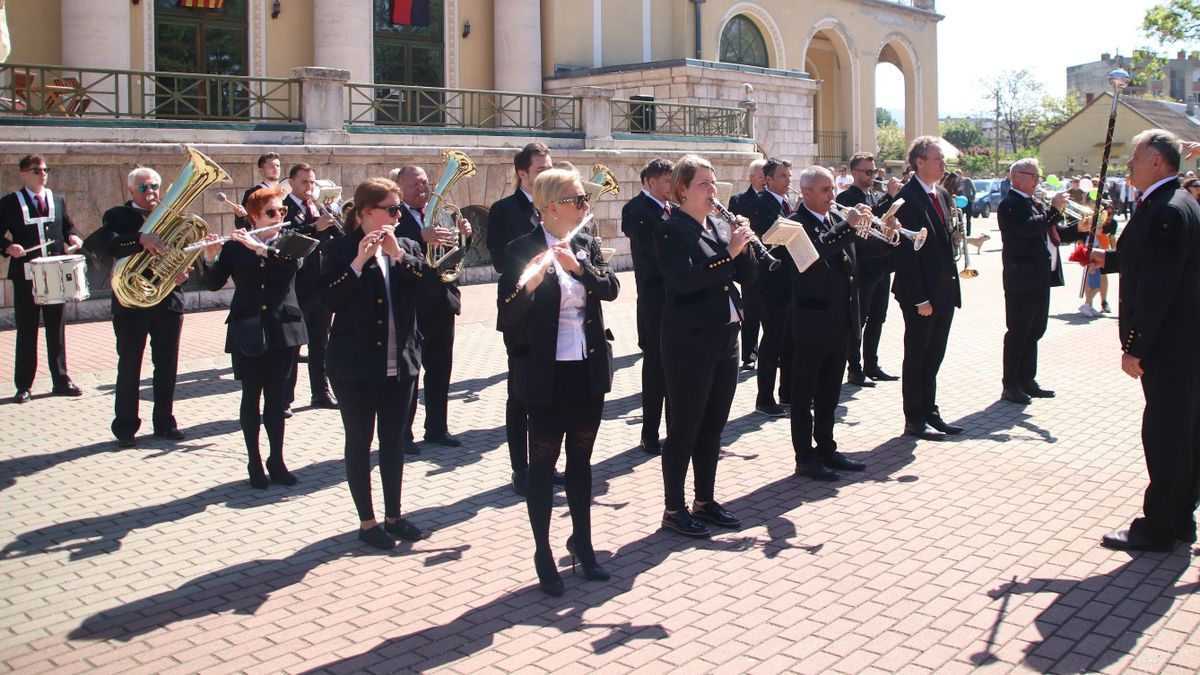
{"x": 148, "y": 187}
{"x": 271, "y": 213}
{"x": 577, "y": 200}
{"x": 39, "y": 169}
{"x": 392, "y": 209}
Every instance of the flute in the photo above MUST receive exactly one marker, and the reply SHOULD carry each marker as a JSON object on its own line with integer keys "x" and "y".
{"x": 222, "y": 240}
{"x": 532, "y": 270}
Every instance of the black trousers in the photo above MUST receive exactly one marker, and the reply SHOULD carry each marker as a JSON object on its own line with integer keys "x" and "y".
{"x": 751, "y": 320}
{"x": 654, "y": 386}
{"x": 775, "y": 353}
{"x": 925, "y": 340}
{"x": 1025, "y": 316}
{"x": 317, "y": 318}
{"x": 437, "y": 358}
{"x": 264, "y": 379}
{"x": 701, "y": 368}
{"x": 1171, "y": 441}
{"x": 817, "y": 383}
{"x": 132, "y": 329}
{"x": 516, "y": 423}
{"x": 874, "y": 295}
{"x": 367, "y": 406}
{"x": 26, "y": 314}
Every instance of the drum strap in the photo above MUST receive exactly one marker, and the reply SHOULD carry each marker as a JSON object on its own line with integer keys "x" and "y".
{"x": 38, "y": 221}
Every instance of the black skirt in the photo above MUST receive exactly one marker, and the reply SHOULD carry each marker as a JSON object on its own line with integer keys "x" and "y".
{"x": 575, "y": 407}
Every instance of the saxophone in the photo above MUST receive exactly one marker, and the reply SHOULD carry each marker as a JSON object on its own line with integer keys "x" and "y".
{"x": 143, "y": 279}
{"x": 448, "y": 260}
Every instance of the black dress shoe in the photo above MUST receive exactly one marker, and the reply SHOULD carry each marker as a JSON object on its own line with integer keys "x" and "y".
{"x": 376, "y": 537}
{"x": 748, "y": 365}
{"x": 859, "y": 379}
{"x": 1035, "y": 390}
{"x": 326, "y": 401}
{"x": 403, "y": 529}
{"x": 444, "y": 439}
{"x": 279, "y": 472}
{"x": 22, "y": 396}
{"x": 771, "y": 409}
{"x": 519, "y": 480}
{"x": 592, "y": 570}
{"x": 836, "y": 460}
{"x": 652, "y": 446}
{"x": 1127, "y": 540}
{"x": 682, "y": 522}
{"x": 302, "y": 358}
{"x": 878, "y": 375}
{"x": 258, "y": 477}
{"x": 126, "y": 441}
{"x": 409, "y": 447}
{"x": 920, "y": 430}
{"x": 814, "y": 469}
{"x": 935, "y": 420}
{"x": 172, "y": 434}
{"x": 716, "y": 514}
{"x": 68, "y": 388}
{"x": 1015, "y": 395}
{"x": 287, "y": 413}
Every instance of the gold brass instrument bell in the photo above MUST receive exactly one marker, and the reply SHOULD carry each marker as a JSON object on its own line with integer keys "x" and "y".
{"x": 447, "y": 257}
{"x": 603, "y": 182}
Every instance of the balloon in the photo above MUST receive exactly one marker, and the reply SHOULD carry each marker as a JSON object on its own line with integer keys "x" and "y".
{"x": 960, "y": 201}
{"x": 1053, "y": 181}
{"x": 1092, "y": 194}
{"x": 1086, "y": 184}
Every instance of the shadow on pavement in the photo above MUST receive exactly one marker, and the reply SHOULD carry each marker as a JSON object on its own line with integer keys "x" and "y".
{"x": 188, "y": 384}
{"x": 990, "y": 422}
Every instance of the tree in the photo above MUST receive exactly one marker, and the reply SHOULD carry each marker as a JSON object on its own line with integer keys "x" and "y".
{"x": 883, "y": 118}
{"x": 890, "y": 142}
{"x": 1017, "y": 95}
{"x": 962, "y": 134}
{"x": 1052, "y": 112}
{"x": 1173, "y": 21}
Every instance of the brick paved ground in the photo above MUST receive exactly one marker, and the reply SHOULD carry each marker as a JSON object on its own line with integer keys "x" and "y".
{"x": 942, "y": 556}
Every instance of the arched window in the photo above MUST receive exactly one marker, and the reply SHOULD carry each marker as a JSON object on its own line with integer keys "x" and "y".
{"x": 742, "y": 42}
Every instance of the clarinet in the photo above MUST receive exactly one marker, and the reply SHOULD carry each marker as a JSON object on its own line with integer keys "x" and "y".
{"x": 764, "y": 256}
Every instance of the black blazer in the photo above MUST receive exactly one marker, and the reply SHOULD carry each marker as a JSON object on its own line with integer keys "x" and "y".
{"x": 531, "y": 320}
{"x": 238, "y": 221}
{"x": 262, "y": 286}
{"x": 740, "y": 204}
{"x": 825, "y": 296}
{"x": 509, "y": 218}
{"x": 776, "y": 285}
{"x": 440, "y": 298}
{"x": 357, "y": 348}
{"x": 308, "y": 279}
{"x": 697, "y": 272}
{"x": 14, "y": 230}
{"x": 1024, "y": 254}
{"x": 1158, "y": 256}
{"x": 640, "y": 217}
{"x": 929, "y": 274}
{"x": 118, "y": 238}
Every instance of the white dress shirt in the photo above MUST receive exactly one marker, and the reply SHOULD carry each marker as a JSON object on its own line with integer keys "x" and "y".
{"x": 572, "y": 299}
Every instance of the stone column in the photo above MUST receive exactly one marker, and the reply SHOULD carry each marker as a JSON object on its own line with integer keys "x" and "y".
{"x": 97, "y": 35}
{"x": 343, "y": 37}
{"x": 323, "y": 112}
{"x": 518, "y": 46}
{"x": 597, "y": 116}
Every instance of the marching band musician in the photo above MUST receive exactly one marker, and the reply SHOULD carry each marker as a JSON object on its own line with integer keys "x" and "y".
{"x": 269, "y": 171}
{"x": 640, "y": 217}
{"x": 512, "y": 217}
{"x": 700, "y": 259}
{"x": 120, "y": 236}
{"x": 561, "y": 360}
{"x": 265, "y": 326}
{"x": 775, "y": 288}
{"x": 926, "y": 286}
{"x": 304, "y": 217}
{"x": 369, "y": 281}
{"x": 874, "y": 276}
{"x": 825, "y": 301}
{"x": 743, "y": 205}
{"x": 34, "y": 223}
{"x": 437, "y": 305}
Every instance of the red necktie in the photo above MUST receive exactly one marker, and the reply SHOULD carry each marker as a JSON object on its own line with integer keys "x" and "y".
{"x": 937, "y": 204}
{"x": 312, "y": 211}
{"x": 1051, "y": 231}
{"x": 667, "y": 210}
{"x": 41, "y": 204}
{"x": 787, "y": 208}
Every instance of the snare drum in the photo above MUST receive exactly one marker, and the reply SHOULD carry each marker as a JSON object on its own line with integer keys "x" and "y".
{"x": 58, "y": 279}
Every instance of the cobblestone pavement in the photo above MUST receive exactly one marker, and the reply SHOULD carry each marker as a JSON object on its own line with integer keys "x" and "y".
{"x": 980, "y": 552}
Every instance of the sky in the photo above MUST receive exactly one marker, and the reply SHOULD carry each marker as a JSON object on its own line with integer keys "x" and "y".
{"x": 978, "y": 39}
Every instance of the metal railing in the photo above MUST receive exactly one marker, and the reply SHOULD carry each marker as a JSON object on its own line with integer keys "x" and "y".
{"x": 412, "y": 106}
{"x": 678, "y": 119}
{"x": 831, "y": 147}
{"x": 62, "y": 92}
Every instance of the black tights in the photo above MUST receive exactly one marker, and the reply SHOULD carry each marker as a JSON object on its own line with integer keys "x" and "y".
{"x": 264, "y": 377}
{"x": 544, "y": 447}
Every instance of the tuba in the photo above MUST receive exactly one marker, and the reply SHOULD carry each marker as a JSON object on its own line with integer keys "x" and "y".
{"x": 448, "y": 260}
{"x": 603, "y": 182}
{"x": 143, "y": 279}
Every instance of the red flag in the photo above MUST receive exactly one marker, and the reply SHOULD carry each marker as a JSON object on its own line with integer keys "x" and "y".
{"x": 410, "y": 12}
{"x": 202, "y": 4}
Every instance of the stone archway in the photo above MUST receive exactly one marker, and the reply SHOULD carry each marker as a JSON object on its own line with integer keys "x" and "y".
{"x": 897, "y": 50}
{"x": 765, "y": 23}
{"x": 829, "y": 55}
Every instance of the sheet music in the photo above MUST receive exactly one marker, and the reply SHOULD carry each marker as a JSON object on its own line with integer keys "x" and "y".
{"x": 792, "y": 236}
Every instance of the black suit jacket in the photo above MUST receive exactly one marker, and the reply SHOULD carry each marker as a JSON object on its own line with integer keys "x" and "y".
{"x": 308, "y": 279}
{"x": 1158, "y": 257}
{"x": 439, "y": 298}
{"x": 118, "y": 238}
{"x": 742, "y": 203}
{"x": 14, "y": 230}
{"x": 509, "y": 218}
{"x": 871, "y": 258}
{"x": 1024, "y": 255}
{"x": 825, "y": 296}
{"x": 776, "y": 285}
{"x": 262, "y": 286}
{"x": 357, "y": 348}
{"x": 698, "y": 272}
{"x": 531, "y": 320}
{"x": 640, "y": 218}
{"x": 929, "y": 274}
{"x": 238, "y": 221}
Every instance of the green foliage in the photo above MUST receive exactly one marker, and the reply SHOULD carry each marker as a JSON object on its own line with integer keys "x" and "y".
{"x": 1173, "y": 21}
{"x": 1050, "y": 114}
{"x": 883, "y": 118}
{"x": 889, "y": 143}
{"x": 1147, "y": 65}
{"x": 962, "y": 134}
{"x": 974, "y": 165}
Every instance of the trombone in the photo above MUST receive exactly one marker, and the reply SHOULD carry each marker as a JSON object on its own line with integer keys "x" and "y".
{"x": 878, "y": 226}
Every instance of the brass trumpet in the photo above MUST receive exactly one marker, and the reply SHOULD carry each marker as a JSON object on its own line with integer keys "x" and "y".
{"x": 878, "y": 226}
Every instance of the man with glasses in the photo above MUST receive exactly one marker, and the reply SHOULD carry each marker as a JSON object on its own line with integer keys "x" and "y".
{"x": 120, "y": 236}
{"x": 269, "y": 171}
{"x": 304, "y": 217}
{"x": 1032, "y": 266}
{"x": 34, "y": 223}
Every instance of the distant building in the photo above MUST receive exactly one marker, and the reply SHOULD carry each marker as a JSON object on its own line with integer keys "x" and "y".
{"x": 1086, "y": 81}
